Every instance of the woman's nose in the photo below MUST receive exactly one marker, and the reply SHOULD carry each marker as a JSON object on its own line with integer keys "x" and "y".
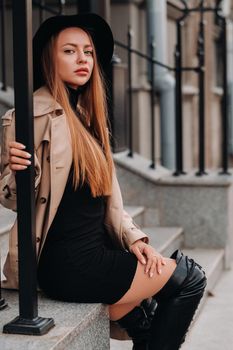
{"x": 81, "y": 57}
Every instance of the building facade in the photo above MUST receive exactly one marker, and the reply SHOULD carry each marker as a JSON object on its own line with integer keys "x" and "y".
{"x": 156, "y": 20}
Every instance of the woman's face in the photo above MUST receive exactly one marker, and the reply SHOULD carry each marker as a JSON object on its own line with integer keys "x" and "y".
{"x": 74, "y": 57}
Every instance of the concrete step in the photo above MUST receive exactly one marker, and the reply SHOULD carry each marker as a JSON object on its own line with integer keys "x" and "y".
{"x": 136, "y": 212}
{"x": 77, "y": 326}
{"x": 212, "y": 260}
{"x": 4, "y": 239}
{"x": 148, "y": 217}
{"x": 152, "y": 217}
{"x": 165, "y": 239}
{"x": 7, "y": 218}
{"x": 213, "y": 331}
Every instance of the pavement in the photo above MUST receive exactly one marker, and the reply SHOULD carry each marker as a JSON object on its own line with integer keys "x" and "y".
{"x": 213, "y": 330}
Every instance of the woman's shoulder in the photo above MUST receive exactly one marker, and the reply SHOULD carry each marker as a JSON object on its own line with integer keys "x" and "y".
{"x": 44, "y": 103}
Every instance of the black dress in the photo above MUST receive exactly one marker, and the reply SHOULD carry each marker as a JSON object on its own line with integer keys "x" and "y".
{"x": 79, "y": 262}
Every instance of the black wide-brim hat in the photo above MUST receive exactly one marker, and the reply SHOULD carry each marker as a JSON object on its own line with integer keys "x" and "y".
{"x": 95, "y": 25}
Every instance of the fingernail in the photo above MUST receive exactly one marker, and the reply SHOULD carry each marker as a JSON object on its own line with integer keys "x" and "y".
{"x": 28, "y": 162}
{"x": 22, "y": 146}
{"x": 28, "y": 155}
{"x": 151, "y": 274}
{"x": 144, "y": 261}
{"x": 160, "y": 271}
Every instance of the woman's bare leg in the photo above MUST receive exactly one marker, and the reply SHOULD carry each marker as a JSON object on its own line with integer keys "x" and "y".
{"x": 177, "y": 291}
{"x": 141, "y": 288}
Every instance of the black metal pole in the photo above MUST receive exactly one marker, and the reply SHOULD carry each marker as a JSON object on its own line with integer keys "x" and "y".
{"x": 130, "y": 154}
{"x": 41, "y": 11}
{"x": 201, "y": 58}
{"x": 3, "y": 304}
{"x": 178, "y": 101}
{"x": 225, "y": 122}
{"x": 152, "y": 99}
{"x": 28, "y": 321}
{"x": 61, "y": 7}
{"x": 3, "y": 68}
{"x": 178, "y": 92}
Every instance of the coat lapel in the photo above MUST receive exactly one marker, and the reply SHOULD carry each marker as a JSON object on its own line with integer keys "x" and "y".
{"x": 60, "y": 162}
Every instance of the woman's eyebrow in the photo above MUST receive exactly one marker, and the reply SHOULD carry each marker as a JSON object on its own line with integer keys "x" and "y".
{"x": 75, "y": 45}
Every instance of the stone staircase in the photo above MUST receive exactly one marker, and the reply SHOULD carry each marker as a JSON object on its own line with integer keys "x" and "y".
{"x": 86, "y": 326}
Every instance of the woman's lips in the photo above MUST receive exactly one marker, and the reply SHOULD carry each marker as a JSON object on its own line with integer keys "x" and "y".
{"x": 81, "y": 71}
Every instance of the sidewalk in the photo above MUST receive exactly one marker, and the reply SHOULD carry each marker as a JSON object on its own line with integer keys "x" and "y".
{"x": 213, "y": 329}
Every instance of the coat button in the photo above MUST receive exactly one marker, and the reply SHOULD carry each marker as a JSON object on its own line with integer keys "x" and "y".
{"x": 42, "y": 200}
{"x": 37, "y": 239}
{"x": 48, "y": 159}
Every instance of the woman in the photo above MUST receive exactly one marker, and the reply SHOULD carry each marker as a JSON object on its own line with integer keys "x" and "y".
{"x": 89, "y": 249}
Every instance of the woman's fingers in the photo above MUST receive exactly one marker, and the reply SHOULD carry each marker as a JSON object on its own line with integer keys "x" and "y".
{"x": 18, "y": 159}
{"x": 139, "y": 255}
{"x": 16, "y": 167}
{"x": 154, "y": 262}
{"x": 16, "y": 144}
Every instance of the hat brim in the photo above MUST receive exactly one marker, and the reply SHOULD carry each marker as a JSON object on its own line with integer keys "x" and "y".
{"x": 95, "y": 25}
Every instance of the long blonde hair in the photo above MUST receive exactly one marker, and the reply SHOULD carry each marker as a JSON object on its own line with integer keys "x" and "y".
{"x": 92, "y": 159}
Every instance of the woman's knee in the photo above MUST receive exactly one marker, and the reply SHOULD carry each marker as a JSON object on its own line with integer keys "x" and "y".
{"x": 196, "y": 279}
{"x": 187, "y": 279}
{"x": 144, "y": 286}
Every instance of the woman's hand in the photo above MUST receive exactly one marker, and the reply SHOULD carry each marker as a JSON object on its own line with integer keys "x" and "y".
{"x": 148, "y": 256}
{"x": 18, "y": 158}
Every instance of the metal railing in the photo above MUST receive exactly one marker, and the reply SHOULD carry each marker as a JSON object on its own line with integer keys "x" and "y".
{"x": 28, "y": 321}
{"x": 151, "y": 61}
{"x": 200, "y": 70}
{"x": 3, "y": 54}
{"x": 178, "y": 69}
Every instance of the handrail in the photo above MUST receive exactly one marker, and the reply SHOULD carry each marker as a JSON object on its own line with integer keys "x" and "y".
{"x": 140, "y": 54}
{"x": 175, "y": 6}
{"x": 3, "y": 66}
{"x": 28, "y": 321}
{"x": 45, "y": 7}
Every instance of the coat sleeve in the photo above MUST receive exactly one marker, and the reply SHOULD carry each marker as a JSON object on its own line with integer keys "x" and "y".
{"x": 7, "y": 178}
{"x": 131, "y": 231}
{"x": 119, "y": 224}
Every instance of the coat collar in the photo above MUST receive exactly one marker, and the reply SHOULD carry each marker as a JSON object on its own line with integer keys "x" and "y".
{"x": 44, "y": 103}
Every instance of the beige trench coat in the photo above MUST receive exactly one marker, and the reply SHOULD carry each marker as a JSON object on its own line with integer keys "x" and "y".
{"x": 53, "y": 158}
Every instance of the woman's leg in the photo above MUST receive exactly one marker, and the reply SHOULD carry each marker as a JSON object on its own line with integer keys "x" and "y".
{"x": 141, "y": 288}
{"x": 177, "y": 290}
{"x": 135, "y": 315}
{"x": 177, "y": 303}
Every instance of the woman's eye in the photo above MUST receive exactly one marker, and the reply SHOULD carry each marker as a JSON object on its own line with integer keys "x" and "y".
{"x": 69, "y": 51}
{"x": 88, "y": 52}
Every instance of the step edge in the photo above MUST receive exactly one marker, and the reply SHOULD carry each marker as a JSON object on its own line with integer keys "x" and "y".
{"x": 174, "y": 236}
{"x": 138, "y": 210}
{"x": 75, "y": 331}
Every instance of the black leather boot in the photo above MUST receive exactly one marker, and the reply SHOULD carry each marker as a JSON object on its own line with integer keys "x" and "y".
{"x": 137, "y": 323}
{"x": 177, "y": 303}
